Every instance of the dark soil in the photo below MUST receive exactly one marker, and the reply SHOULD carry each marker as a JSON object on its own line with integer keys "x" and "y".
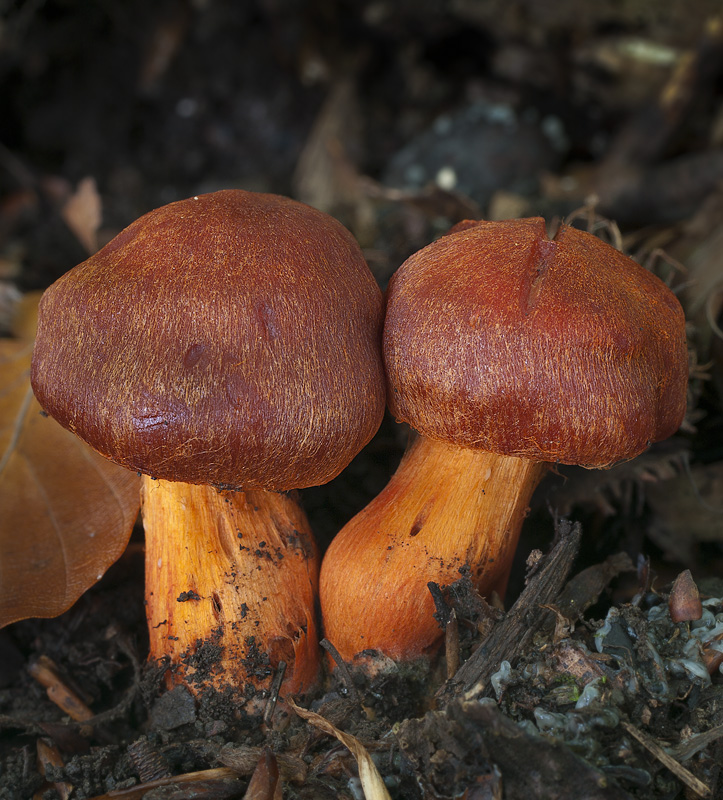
{"x": 436, "y": 112}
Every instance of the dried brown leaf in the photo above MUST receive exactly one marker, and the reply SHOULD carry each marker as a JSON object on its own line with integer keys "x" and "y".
{"x": 67, "y": 513}
{"x": 82, "y": 214}
{"x": 687, "y": 510}
{"x": 265, "y": 783}
{"x": 371, "y": 781}
{"x": 623, "y": 487}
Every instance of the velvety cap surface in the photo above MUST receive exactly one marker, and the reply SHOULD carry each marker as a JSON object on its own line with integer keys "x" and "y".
{"x": 231, "y": 339}
{"x": 498, "y": 338}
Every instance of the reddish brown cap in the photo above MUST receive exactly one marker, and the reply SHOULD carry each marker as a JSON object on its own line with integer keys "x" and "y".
{"x": 231, "y": 339}
{"x": 498, "y": 338}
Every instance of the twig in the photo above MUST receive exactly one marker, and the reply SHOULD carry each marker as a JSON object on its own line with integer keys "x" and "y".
{"x": 341, "y": 664}
{"x": 44, "y": 672}
{"x": 511, "y": 636}
{"x": 209, "y": 779}
{"x": 49, "y": 756}
{"x": 680, "y": 772}
{"x": 696, "y": 743}
{"x": 451, "y": 644}
{"x": 274, "y": 693}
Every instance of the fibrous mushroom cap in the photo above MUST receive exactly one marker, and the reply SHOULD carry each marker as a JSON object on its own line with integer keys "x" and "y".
{"x": 229, "y": 339}
{"x": 498, "y": 338}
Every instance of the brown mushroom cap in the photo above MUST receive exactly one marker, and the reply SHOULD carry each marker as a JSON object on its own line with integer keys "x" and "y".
{"x": 500, "y": 339}
{"x": 230, "y": 339}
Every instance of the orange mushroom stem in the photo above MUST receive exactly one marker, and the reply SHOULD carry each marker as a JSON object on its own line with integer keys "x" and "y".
{"x": 227, "y": 347}
{"x": 445, "y": 508}
{"x": 231, "y": 586}
{"x": 505, "y": 350}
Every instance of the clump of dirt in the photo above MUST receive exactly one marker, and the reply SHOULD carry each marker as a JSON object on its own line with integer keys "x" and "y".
{"x": 582, "y": 702}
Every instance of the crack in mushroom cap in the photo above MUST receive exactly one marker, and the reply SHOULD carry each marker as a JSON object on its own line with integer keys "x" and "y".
{"x": 231, "y": 339}
{"x": 498, "y": 338}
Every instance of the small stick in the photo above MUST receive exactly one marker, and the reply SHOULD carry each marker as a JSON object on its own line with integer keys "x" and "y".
{"x": 49, "y": 755}
{"x": 680, "y": 772}
{"x": 688, "y": 748}
{"x": 207, "y": 780}
{"x": 336, "y": 655}
{"x": 451, "y": 644}
{"x": 45, "y": 673}
{"x": 274, "y": 693}
{"x": 513, "y": 633}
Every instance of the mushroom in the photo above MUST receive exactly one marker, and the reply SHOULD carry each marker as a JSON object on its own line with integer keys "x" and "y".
{"x": 227, "y": 347}
{"x": 507, "y": 351}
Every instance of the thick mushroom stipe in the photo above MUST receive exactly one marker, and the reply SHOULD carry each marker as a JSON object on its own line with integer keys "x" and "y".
{"x": 242, "y": 565}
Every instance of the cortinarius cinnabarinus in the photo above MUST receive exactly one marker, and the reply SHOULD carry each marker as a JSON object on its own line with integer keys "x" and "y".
{"x": 227, "y": 347}
{"x": 507, "y": 351}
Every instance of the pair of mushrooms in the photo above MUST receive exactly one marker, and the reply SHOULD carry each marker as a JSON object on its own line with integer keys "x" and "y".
{"x": 228, "y": 348}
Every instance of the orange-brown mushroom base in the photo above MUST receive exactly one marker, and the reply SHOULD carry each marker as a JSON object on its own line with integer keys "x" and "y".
{"x": 231, "y": 587}
{"x": 444, "y": 509}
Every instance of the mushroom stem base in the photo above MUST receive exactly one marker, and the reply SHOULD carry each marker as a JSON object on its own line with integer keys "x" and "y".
{"x": 231, "y": 582}
{"x": 446, "y": 510}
